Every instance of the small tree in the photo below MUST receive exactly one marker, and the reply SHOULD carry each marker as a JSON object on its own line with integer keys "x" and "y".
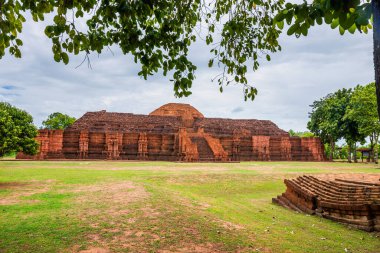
{"x": 328, "y": 122}
{"x": 57, "y": 121}
{"x": 348, "y": 127}
{"x": 363, "y": 110}
{"x": 324, "y": 122}
{"x": 344, "y": 153}
{"x": 17, "y": 131}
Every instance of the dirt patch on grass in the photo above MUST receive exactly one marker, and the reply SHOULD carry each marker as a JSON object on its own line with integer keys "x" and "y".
{"x": 149, "y": 212}
{"x": 19, "y": 190}
{"x": 353, "y": 177}
{"x": 12, "y": 185}
{"x": 145, "y": 227}
{"x": 104, "y": 202}
{"x": 124, "y": 238}
{"x": 123, "y": 216}
{"x": 229, "y": 225}
{"x": 117, "y": 193}
{"x": 95, "y": 250}
{"x": 78, "y": 249}
{"x": 135, "y": 239}
{"x": 110, "y": 209}
{"x": 193, "y": 248}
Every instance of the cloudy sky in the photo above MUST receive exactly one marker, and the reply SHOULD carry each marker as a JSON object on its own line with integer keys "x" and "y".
{"x": 307, "y": 69}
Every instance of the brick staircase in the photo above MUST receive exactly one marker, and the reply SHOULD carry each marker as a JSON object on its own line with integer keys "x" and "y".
{"x": 204, "y": 151}
{"x": 216, "y": 147}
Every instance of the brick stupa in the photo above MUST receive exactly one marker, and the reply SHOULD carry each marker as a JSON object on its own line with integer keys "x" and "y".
{"x": 174, "y": 132}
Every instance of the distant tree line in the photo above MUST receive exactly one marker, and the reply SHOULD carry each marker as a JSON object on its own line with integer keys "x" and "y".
{"x": 58, "y": 120}
{"x": 17, "y": 131}
{"x": 349, "y": 115}
{"x": 341, "y": 152}
{"x": 301, "y": 134}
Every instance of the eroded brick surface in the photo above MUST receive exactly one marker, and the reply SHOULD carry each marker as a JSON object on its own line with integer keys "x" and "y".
{"x": 348, "y": 198}
{"x": 174, "y": 132}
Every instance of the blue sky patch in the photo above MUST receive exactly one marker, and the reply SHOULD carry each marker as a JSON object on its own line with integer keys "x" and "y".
{"x": 8, "y": 87}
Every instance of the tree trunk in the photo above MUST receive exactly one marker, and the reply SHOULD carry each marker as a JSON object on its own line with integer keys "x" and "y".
{"x": 349, "y": 152}
{"x": 332, "y": 148}
{"x": 376, "y": 149}
{"x": 376, "y": 154}
{"x": 376, "y": 48}
{"x": 371, "y": 146}
{"x": 355, "y": 155}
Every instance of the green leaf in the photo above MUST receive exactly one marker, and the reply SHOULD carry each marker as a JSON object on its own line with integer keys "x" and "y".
{"x": 352, "y": 29}
{"x": 19, "y": 42}
{"x": 210, "y": 63}
{"x": 335, "y": 23}
{"x": 35, "y": 17}
{"x": 292, "y": 29}
{"x": 70, "y": 47}
{"x": 319, "y": 20}
{"x": 280, "y": 17}
{"x": 65, "y": 58}
{"x": 280, "y": 24}
{"x": 79, "y": 13}
{"x": 341, "y": 30}
{"x": 57, "y": 57}
{"x": 17, "y": 53}
{"x": 288, "y": 5}
{"x": 304, "y": 29}
{"x": 328, "y": 17}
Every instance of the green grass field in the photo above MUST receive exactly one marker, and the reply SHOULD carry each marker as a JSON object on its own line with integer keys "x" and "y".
{"x": 165, "y": 207}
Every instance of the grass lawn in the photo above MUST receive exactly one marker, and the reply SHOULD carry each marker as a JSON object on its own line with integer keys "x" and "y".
{"x": 165, "y": 207}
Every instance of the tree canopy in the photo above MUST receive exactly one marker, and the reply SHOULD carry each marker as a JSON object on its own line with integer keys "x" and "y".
{"x": 346, "y": 114}
{"x": 363, "y": 110}
{"x": 17, "y": 131}
{"x": 346, "y": 15}
{"x": 324, "y": 121}
{"x": 159, "y": 33}
{"x": 57, "y": 121}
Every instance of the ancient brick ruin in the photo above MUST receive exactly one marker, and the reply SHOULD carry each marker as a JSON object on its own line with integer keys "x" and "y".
{"x": 351, "y": 199}
{"x": 174, "y": 132}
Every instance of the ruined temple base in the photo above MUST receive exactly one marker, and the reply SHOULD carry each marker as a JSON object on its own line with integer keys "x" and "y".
{"x": 352, "y": 199}
{"x": 173, "y": 132}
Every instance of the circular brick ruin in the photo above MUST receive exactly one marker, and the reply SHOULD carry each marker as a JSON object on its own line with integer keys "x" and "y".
{"x": 352, "y": 199}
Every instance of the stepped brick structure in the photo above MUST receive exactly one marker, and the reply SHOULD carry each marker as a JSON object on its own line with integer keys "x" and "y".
{"x": 174, "y": 132}
{"x": 349, "y": 198}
